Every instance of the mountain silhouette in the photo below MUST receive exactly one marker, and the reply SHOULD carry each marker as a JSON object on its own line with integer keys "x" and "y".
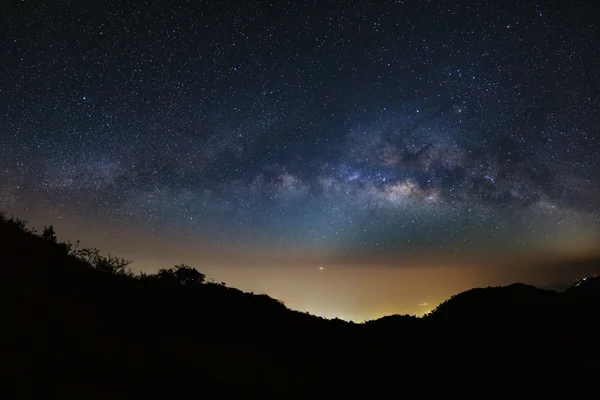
{"x": 585, "y": 287}
{"x": 76, "y": 324}
{"x": 498, "y": 304}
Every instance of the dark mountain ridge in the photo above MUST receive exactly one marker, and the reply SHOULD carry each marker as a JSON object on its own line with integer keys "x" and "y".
{"x": 77, "y": 324}
{"x": 586, "y": 287}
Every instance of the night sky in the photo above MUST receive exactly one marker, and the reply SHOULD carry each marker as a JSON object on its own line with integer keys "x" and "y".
{"x": 352, "y": 159}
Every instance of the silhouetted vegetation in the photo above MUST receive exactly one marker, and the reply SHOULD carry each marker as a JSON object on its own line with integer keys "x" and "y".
{"x": 78, "y": 324}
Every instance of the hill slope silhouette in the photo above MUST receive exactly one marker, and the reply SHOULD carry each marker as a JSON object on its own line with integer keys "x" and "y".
{"x": 77, "y": 324}
{"x": 586, "y": 287}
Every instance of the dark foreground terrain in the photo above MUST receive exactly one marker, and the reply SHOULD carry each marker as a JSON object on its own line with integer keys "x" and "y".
{"x": 77, "y": 325}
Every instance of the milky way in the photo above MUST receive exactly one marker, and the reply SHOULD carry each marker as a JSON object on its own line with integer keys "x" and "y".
{"x": 344, "y": 130}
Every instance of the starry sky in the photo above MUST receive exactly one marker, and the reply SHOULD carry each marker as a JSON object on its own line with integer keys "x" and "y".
{"x": 352, "y": 159}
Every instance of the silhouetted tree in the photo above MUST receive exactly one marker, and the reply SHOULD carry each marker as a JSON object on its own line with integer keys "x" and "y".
{"x": 113, "y": 265}
{"x": 87, "y": 255}
{"x": 20, "y": 225}
{"x": 92, "y": 257}
{"x": 182, "y": 274}
{"x": 49, "y": 234}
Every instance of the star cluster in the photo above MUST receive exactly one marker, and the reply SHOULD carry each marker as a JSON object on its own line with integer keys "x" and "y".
{"x": 341, "y": 131}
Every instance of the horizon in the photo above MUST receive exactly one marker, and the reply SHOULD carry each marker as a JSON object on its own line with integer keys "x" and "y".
{"x": 357, "y": 294}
